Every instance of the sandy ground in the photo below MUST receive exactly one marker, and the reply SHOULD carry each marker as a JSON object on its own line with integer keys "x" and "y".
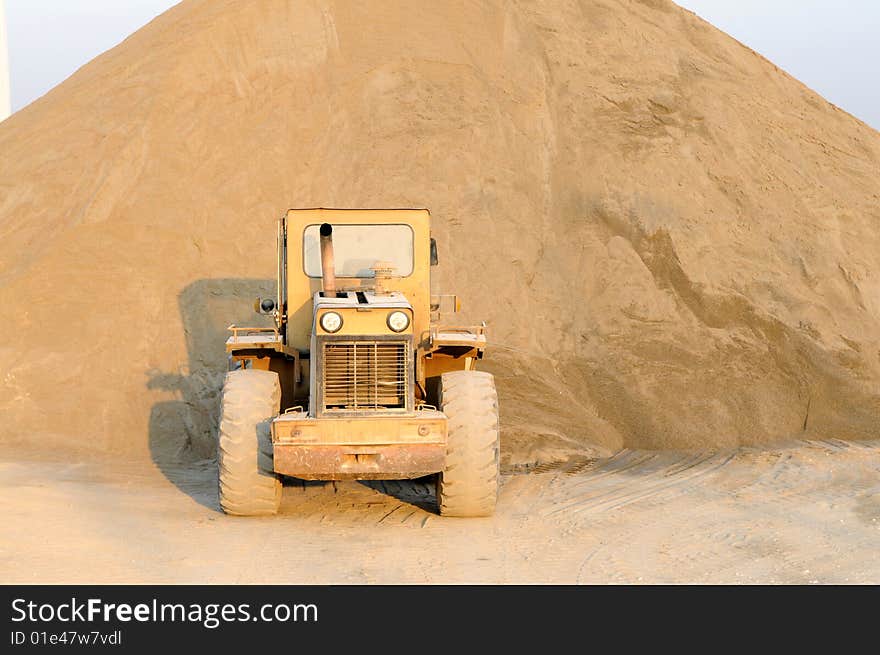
{"x": 808, "y": 513}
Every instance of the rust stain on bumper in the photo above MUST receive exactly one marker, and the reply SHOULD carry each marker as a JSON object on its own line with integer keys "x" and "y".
{"x": 378, "y": 447}
{"x": 337, "y": 462}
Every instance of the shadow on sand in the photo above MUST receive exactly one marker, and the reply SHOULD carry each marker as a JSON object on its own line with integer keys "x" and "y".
{"x": 420, "y": 493}
{"x": 183, "y": 432}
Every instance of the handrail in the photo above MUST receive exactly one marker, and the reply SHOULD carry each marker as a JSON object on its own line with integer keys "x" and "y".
{"x": 237, "y": 330}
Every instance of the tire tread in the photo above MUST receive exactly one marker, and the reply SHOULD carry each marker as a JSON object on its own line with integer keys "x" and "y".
{"x": 468, "y": 486}
{"x": 248, "y": 485}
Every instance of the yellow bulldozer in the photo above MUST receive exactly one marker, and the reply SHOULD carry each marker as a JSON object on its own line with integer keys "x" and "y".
{"x": 357, "y": 379}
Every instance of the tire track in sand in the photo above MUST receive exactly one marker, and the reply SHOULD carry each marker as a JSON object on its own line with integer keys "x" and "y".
{"x": 642, "y": 480}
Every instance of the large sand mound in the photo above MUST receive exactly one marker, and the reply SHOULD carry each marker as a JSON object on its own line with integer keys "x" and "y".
{"x": 674, "y": 242}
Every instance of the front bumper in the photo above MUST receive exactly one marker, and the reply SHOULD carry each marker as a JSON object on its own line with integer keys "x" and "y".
{"x": 360, "y": 448}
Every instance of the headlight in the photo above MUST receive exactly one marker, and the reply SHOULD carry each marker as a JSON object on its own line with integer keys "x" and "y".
{"x": 398, "y": 321}
{"x": 331, "y": 322}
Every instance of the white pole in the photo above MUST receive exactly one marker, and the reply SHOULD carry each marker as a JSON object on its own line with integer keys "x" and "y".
{"x": 5, "y": 103}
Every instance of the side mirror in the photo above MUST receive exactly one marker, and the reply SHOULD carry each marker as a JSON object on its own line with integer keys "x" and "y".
{"x": 434, "y": 258}
{"x": 264, "y": 306}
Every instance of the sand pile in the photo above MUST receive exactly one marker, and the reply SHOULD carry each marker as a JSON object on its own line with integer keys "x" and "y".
{"x": 674, "y": 242}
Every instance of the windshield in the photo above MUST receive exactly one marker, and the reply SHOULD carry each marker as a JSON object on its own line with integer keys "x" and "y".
{"x": 358, "y": 247}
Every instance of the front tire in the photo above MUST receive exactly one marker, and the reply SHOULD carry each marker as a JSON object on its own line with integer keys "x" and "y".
{"x": 468, "y": 486}
{"x": 248, "y": 483}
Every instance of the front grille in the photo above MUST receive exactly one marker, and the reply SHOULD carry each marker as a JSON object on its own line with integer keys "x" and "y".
{"x": 365, "y": 375}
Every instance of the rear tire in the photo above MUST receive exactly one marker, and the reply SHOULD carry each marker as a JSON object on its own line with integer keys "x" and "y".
{"x": 469, "y": 485}
{"x": 248, "y": 484}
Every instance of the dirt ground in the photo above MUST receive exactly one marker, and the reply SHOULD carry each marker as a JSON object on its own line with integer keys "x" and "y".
{"x": 806, "y": 513}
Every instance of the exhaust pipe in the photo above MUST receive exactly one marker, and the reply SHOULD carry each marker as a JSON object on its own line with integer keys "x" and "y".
{"x": 328, "y": 270}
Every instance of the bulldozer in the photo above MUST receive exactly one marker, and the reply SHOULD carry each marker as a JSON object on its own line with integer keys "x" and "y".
{"x": 357, "y": 378}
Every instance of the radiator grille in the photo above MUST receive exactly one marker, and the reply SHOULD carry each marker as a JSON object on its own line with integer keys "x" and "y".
{"x": 365, "y": 375}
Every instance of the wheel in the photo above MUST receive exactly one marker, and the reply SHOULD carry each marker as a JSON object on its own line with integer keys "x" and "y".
{"x": 247, "y": 481}
{"x": 469, "y": 484}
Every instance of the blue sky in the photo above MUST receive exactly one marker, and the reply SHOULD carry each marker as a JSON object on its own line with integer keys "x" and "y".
{"x": 831, "y": 45}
